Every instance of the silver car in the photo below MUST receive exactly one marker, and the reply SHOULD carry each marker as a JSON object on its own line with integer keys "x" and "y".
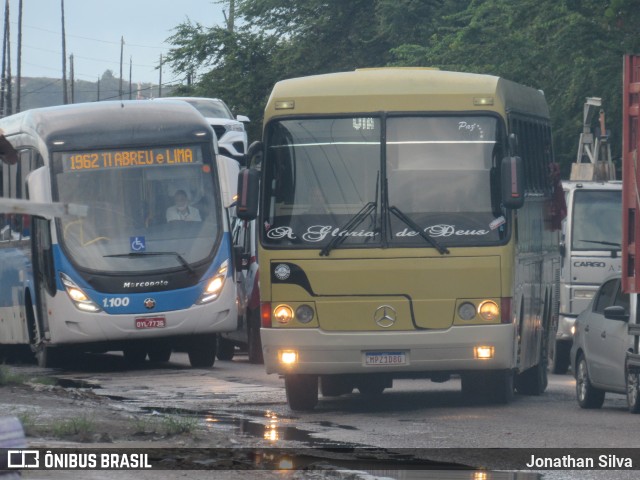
{"x": 230, "y": 131}
{"x": 600, "y": 346}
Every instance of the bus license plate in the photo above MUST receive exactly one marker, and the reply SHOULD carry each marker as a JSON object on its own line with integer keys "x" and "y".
{"x": 150, "y": 322}
{"x": 385, "y": 358}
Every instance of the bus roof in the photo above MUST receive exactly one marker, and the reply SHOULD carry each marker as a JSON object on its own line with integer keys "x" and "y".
{"x": 402, "y": 89}
{"x": 115, "y": 123}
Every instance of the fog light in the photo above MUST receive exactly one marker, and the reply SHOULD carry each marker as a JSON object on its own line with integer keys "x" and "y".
{"x": 288, "y": 357}
{"x": 283, "y": 313}
{"x": 483, "y": 352}
{"x": 573, "y": 329}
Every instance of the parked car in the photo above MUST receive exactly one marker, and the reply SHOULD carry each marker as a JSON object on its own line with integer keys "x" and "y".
{"x": 230, "y": 131}
{"x": 600, "y": 346}
{"x": 247, "y": 335}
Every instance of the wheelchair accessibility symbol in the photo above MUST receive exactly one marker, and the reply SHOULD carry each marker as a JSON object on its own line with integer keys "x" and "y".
{"x": 137, "y": 244}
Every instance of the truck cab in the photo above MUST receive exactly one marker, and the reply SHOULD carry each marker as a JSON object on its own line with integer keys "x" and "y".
{"x": 590, "y": 248}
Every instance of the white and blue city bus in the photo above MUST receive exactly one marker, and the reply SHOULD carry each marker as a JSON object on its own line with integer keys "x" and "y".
{"x": 125, "y": 277}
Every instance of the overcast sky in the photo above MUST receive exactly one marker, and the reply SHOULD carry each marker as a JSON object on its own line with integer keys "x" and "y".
{"x": 93, "y": 32}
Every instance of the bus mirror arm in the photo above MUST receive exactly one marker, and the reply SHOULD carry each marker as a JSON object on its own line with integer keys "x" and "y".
{"x": 512, "y": 182}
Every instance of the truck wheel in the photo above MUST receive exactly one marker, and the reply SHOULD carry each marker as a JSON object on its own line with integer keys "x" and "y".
{"x": 302, "y": 391}
{"x": 559, "y": 359}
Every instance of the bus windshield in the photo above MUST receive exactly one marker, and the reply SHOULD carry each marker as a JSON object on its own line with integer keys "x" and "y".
{"x": 431, "y": 171}
{"x": 597, "y": 220}
{"x": 150, "y": 209}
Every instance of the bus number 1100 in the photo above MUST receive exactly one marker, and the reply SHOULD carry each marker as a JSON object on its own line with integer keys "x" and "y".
{"x": 115, "y": 302}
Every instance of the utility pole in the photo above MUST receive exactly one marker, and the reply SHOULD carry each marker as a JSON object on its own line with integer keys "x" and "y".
{"x": 65, "y": 95}
{"x": 130, "y": 70}
{"x": 230, "y": 20}
{"x": 121, "y": 53}
{"x": 9, "y": 101}
{"x": 71, "y": 78}
{"x": 19, "y": 73}
{"x": 98, "y": 83}
{"x": 160, "y": 80}
{"x": 3, "y": 77}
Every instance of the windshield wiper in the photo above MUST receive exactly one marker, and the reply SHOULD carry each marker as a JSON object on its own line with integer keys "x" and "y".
{"x": 396, "y": 211}
{"x": 601, "y": 242}
{"x": 349, "y": 227}
{"x": 180, "y": 258}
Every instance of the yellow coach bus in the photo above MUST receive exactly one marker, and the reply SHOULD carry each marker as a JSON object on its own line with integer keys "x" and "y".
{"x": 405, "y": 232}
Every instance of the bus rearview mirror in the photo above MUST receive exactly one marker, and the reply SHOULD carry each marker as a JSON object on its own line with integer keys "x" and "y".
{"x": 512, "y": 182}
{"x": 248, "y": 189}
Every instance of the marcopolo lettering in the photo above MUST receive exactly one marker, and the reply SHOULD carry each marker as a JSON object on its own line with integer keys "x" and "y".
{"x": 156, "y": 283}
{"x": 589, "y": 264}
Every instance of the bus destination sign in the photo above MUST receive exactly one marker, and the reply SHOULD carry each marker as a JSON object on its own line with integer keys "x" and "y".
{"x": 125, "y": 158}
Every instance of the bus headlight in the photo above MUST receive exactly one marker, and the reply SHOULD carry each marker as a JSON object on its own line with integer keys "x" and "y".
{"x": 283, "y": 313}
{"x": 304, "y": 313}
{"x": 489, "y": 310}
{"x": 215, "y": 285}
{"x": 80, "y": 299}
{"x": 467, "y": 311}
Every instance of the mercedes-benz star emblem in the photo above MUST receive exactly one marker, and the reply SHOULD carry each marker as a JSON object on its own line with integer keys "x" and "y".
{"x": 385, "y": 316}
{"x": 149, "y": 303}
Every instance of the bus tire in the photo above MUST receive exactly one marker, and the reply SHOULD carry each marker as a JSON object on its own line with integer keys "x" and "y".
{"x": 225, "y": 350}
{"x": 335, "y": 385}
{"x": 159, "y": 352}
{"x": 254, "y": 342}
{"x": 202, "y": 351}
{"x": 488, "y": 387}
{"x": 134, "y": 355}
{"x": 633, "y": 389}
{"x": 302, "y": 391}
{"x": 48, "y": 357}
{"x": 373, "y": 386}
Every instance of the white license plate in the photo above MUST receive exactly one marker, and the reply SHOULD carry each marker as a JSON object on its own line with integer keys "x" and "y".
{"x": 150, "y": 322}
{"x": 385, "y": 358}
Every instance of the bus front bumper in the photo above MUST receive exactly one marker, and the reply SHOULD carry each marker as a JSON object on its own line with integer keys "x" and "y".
{"x": 453, "y": 350}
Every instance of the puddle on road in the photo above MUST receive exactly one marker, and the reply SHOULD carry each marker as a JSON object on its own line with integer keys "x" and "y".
{"x": 272, "y": 429}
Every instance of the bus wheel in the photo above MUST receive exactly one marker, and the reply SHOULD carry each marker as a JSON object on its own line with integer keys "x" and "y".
{"x": 302, "y": 391}
{"x": 491, "y": 387}
{"x": 159, "y": 352}
{"x": 335, "y": 385}
{"x": 254, "y": 343}
{"x": 225, "y": 349}
{"x": 134, "y": 354}
{"x": 373, "y": 386}
{"x": 202, "y": 351}
{"x": 47, "y": 357}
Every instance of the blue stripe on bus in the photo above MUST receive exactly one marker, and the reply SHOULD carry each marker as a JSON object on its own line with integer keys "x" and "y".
{"x": 133, "y": 303}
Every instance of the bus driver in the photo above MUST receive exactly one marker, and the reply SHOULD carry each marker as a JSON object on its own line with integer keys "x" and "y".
{"x": 182, "y": 210}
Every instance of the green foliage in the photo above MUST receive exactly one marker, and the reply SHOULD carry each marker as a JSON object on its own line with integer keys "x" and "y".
{"x": 570, "y": 49}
